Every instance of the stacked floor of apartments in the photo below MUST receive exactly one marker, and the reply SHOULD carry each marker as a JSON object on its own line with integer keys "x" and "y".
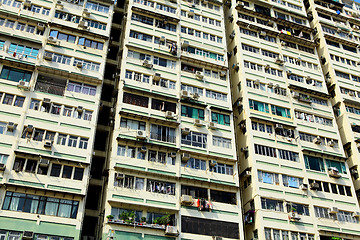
{"x": 173, "y": 169}
{"x": 294, "y": 178}
{"x": 51, "y": 70}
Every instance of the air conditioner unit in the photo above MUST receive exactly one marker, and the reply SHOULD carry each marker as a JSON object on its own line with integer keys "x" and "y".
{"x": 212, "y": 163}
{"x": 236, "y": 66}
{"x": 59, "y": 5}
{"x": 23, "y": 85}
{"x": 52, "y": 40}
{"x": 184, "y": 94}
{"x": 140, "y": 134}
{"x": 279, "y": 61}
{"x": 283, "y": 43}
{"x": 185, "y": 44}
{"x": 119, "y": 176}
{"x": 147, "y": 63}
{"x": 10, "y": 126}
{"x": 48, "y": 56}
{"x": 46, "y": 101}
{"x": 262, "y": 33}
{"x": 240, "y": 4}
{"x": 185, "y": 131}
{"x": 267, "y": 66}
{"x": 294, "y": 216}
{"x": 279, "y": 126}
{"x": 276, "y": 86}
{"x": 79, "y": 65}
{"x": 257, "y": 82}
{"x": 44, "y": 162}
{"x": 295, "y": 95}
{"x": 334, "y": 210}
{"x": 86, "y": 12}
{"x": 356, "y": 214}
{"x": 171, "y": 231}
{"x": 83, "y": 24}
{"x": 212, "y": 125}
{"x": 27, "y": 235}
{"x": 195, "y": 96}
{"x": 157, "y": 76}
{"x": 222, "y": 73}
{"x": 185, "y": 157}
{"x": 198, "y": 123}
{"x": 314, "y": 186}
{"x": 351, "y": 93}
{"x": 47, "y": 144}
{"x": 331, "y": 143}
{"x": 303, "y": 186}
{"x": 41, "y": 26}
{"x": 270, "y": 85}
{"x": 186, "y": 199}
{"x": 191, "y": 13}
{"x": 172, "y": 154}
{"x": 80, "y": 109}
{"x": 162, "y": 39}
{"x": 356, "y": 28}
{"x": 2, "y": 166}
{"x": 27, "y": 3}
{"x": 143, "y": 149}
{"x": 170, "y": 115}
{"x": 317, "y": 140}
{"x": 30, "y": 128}
{"x": 199, "y": 75}
{"x": 244, "y": 149}
{"x": 289, "y": 72}
{"x": 334, "y": 172}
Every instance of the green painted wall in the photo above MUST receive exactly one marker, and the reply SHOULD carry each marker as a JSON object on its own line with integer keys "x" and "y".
{"x": 48, "y": 228}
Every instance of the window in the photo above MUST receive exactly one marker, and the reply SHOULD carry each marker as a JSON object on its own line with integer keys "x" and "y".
{"x": 96, "y": 24}
{"x": 195, "y": 192}
{"x": 55, "y": 170}
{"x": 192, "y": 112}
{"x": 121, "y": 150}
{"x": 299, "y": 208}
{"x": 290, "y": 181}
{"x": 81, "y": 88}
{"x": 222, "y": 169}
{"x": 223, "y": 197}
{"x": 16, "y": 75}
{"x": 62, "y": 36}
{"x": 321, "y": 212}
{"x": 265, "y": 150}
{"x": 61, "y": 139}
{"x": 72, "y": 141}
{"x": 194, "y": 139}
{"x": 340, "y": 166}
{"x": 288, "y": 155}
{"x": 97, "y": 7}
{"x": 270, "y": 204}
{"x": 91, "y": 66}
{"x": 344, "y": 216}
{"x": 314, "y": 163}
{"x": 216, "y": 95}
{"x": 221, "y": 142}
{"x": 24, "y": 51}
{"x": 90, "y": 43}
{"x": 163, "y": 105}
{"x": 219, "y": 118}
{"x": 266, "y": 177}
{"x": 156, "y": 186}
{"x": 40, "y": 205}
{"x": 162, "y": 133}
{"x": 3, "y": 158}
{"x": 258, "y": 106}
{"x": 136, "y": 100}
{"x": 67, "y": 172}
{"x": 211, "y": 227}
{"x": 83, "y": 143}
{"x": 132, "y": 124}
{"x": 195, "y": 164}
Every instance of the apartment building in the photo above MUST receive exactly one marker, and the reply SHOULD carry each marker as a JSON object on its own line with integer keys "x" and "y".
{"x": 337, "y": 26}
{"x": 294, "y": 178}
{"x": 51, "y": 73}
{"x": 173, "y": 170}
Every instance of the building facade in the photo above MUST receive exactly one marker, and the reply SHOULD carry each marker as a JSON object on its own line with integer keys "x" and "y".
{"x": 173, "y": 170}
{"x": 294, "y": 177}
{"x": 337, "y": 25}
{"x": 51, "y": 74}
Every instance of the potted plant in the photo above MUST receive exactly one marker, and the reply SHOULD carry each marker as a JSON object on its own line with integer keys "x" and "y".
{"x": 143, "y": 220}
{"x": 110, "y": 218}
{"x": 164, "y": 220}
